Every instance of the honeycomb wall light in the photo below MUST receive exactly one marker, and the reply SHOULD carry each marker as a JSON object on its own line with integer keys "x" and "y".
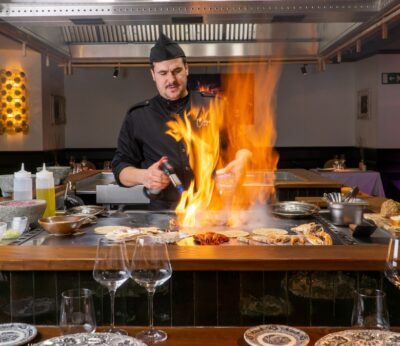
{"x": 13, "y": 104}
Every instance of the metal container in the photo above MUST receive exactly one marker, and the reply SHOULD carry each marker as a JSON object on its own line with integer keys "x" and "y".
{"x": 343, "y": 214}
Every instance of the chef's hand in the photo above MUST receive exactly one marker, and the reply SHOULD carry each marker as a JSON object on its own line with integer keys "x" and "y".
{"x": 238, "y": 166}
{"x": 154, "y": 177}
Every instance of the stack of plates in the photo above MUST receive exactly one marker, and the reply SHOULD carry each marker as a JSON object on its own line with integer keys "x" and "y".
{"x": 360, "y": 337}
{"x": 274, "y": 335}
{"x": 14, "y": 334}
{"x": 98, "y": 339}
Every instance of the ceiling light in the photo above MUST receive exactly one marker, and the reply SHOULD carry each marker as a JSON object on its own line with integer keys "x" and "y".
{"x": 303, "y": 69}
{"x": 116, "y": 72}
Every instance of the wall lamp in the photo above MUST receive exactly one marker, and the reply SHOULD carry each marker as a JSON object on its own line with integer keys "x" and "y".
{"x": 303, "y": 69}
{"x": 13, "y": 105}
{"x": 116, "y": 72}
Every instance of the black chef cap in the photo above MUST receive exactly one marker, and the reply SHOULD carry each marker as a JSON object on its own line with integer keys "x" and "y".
{"x": 165, "y": 49}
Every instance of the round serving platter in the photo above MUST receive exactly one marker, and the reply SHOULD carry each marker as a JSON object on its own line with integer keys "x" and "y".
{"x": 274, "y": 335}
{"x": 98, "y": 339}
{"x": 360, "y": 337}
{"x": 14, "y": 334}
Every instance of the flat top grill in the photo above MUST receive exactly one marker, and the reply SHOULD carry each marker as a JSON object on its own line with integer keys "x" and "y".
{"x": 340, "y": 235}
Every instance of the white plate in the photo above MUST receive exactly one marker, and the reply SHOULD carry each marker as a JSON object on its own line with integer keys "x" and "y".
{"x": 14, "y": 334}
{"x": 274, "y": 335}
{"x": 98, "y": 339}
{"x": 360, "y": 337}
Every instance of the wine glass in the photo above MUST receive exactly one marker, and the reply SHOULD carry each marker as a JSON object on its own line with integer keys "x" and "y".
{"x": 392, "y": 262}
{"x": 77, "y": 312}
{"x": 111, "y": 270}
{"x": 150, "y": 268}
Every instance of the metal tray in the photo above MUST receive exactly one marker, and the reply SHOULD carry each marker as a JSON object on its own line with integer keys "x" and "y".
{"x": 294, "y": 210}
{"x": 87, "y": 210}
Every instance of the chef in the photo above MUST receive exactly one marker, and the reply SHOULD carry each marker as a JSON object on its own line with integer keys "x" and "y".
{"x": 143, "y": 144}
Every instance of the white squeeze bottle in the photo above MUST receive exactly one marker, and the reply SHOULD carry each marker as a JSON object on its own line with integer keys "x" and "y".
{"x": 45, "y": 190}
{"x": 22, "y": 184}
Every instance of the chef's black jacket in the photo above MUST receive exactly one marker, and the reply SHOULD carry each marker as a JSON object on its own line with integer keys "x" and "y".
{"x": 143, "y": 141}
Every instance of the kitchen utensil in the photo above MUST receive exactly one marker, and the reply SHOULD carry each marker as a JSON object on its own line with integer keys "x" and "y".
{"x": 62, "y": 225}
{"x": 90, "y": 210}
{"x": 345, "y": 213}
{"x": 294, "y": 209}
{"x": 351, "y": 194}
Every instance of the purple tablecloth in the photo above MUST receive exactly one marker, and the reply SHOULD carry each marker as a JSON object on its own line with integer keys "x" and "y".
{"x": 369, "y": 182}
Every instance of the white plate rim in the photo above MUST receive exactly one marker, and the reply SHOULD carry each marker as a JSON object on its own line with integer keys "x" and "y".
{"x": 17, "y": 325}
{"x": 79, "y": 335}
{"x": 266, "y": 326}
{"x": 353, "y": 331}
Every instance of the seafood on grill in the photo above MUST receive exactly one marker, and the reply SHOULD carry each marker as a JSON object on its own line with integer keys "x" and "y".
{"x": 280, "y": 239}
{"x": 314, "y": 233}
{"x": 210, "y": 238}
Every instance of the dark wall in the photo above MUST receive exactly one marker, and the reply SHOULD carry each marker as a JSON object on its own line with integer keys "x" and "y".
{"x": 386, "y": 161}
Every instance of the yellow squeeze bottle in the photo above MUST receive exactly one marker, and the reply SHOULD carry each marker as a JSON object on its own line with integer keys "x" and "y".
{"x": 45, "y": 190}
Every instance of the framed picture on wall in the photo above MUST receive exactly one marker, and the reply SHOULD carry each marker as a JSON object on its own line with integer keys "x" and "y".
{"x": 58, "y": 110}
{"x": 363, "y": 104}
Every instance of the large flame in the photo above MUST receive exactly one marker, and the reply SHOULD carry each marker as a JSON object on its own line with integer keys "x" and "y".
{"x": 244, "y": 119}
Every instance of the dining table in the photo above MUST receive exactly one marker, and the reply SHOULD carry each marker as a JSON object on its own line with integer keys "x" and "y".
{"x": 199, "y": 336}
{"x": 369, "y": 182}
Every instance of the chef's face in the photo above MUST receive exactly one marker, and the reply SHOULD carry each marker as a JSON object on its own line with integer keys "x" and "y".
{"x": 170, "y": 77}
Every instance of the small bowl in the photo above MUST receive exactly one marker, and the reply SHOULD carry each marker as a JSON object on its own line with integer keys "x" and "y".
{"x": 62, "y": 225}
{"x": 32, "y": 209}
{"x": 59, "y": 172}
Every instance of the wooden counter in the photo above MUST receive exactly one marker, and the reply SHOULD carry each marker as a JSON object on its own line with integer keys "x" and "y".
{"x": 200, "y": 258}
{"x": 200, "y": 336}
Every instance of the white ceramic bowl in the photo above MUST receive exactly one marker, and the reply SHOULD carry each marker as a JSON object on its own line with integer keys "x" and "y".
{"x": 32, "y": 209}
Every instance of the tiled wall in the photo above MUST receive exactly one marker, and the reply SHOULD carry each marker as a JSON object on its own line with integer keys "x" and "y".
{"x": 201, "y": 298}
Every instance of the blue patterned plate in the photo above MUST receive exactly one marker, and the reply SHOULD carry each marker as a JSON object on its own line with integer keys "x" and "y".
{"x": 275, "y": 335}
{"x": 98, "y": 339}
{"x": 14, "y": 334}
{"x": 360, "y": 337}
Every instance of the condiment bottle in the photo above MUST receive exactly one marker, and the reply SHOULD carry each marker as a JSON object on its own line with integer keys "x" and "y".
{"x": 45, "y": 190}
{"x": 22, "y": 185}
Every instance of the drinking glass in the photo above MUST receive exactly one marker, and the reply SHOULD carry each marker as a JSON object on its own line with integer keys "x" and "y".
{"x": 111, "y": 270}
{"x": 150, "y": 268}
{"x": 369, "y": 309}
{"x": 77, "y": 312}
{"x": 107, "y": 165}
{"x": 342, "y": 162}
{"x": 392, "y": 262}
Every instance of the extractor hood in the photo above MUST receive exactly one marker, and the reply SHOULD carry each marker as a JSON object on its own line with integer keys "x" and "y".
{"x": 123, "y": 31}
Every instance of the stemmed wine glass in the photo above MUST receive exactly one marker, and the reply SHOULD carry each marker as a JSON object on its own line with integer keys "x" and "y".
{"x": 150, "y": 268}
{"x": 392, "y": 262}
{"x": 111, "y": 270}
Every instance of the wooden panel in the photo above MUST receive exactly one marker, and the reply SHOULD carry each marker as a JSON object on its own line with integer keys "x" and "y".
{"x": 353, "y": 258}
